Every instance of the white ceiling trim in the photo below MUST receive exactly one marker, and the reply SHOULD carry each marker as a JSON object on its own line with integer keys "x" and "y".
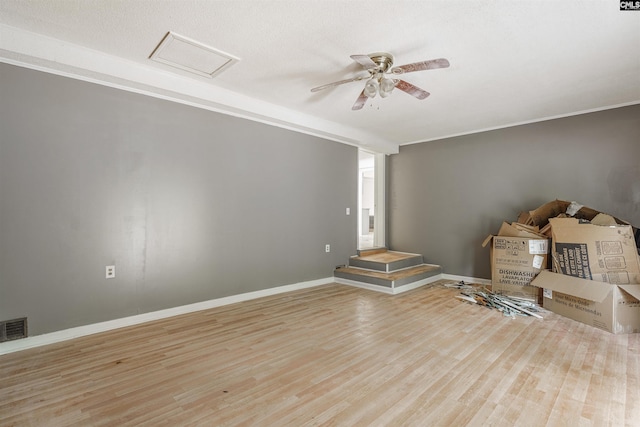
{"x": 527, "y": 122}
{"x": 31, "y": 50}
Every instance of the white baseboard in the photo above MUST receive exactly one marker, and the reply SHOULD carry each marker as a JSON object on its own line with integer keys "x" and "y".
{"x": 80, "y": 331}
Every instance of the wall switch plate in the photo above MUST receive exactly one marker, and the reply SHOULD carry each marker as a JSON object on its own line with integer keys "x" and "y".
{"x": 327, "y": 248}
{"x": 348, "y": 211}
{"x": 110, "y": 272}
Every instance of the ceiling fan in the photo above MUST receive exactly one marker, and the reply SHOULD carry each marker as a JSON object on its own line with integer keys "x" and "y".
{"x": 382, "y": 78}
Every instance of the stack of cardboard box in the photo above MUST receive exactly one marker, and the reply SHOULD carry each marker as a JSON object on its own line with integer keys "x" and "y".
{"x": 593, "y": 274}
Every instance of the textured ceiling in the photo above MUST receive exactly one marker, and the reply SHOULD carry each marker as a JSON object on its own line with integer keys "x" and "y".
{"x": 512, "y": 61}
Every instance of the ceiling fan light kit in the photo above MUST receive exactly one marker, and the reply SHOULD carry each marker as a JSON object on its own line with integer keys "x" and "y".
{"x": 387, "y": 86}
{"x": 371, "y": 88}
{"x": 378, "y": 65}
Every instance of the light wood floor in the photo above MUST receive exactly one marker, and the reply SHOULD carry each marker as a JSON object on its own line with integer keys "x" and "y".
{"x": 332, "y": 355}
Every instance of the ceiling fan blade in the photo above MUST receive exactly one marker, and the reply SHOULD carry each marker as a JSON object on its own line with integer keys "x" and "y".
{"x": 412, "y": 90}
{"x": 338, "y": 83}
{"x": 365, "y": 61}
{"x": 362, "y": 99}
{"x": 420, "y": 66}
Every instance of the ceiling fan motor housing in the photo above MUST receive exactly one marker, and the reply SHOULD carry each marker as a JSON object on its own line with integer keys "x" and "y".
{"x": 378, "y": 83}
{"x": 383, "y": 60}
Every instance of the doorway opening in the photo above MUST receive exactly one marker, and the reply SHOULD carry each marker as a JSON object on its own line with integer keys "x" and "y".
{"x": 370, "y": 200}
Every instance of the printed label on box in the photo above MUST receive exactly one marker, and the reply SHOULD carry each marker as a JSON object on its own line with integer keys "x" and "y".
{"x": 538, "y": 247}
{"x": 621, "y": 277}
{"x": 537, "y": 261}
{"x": 512, "y": 262}
{"x": 615, "y": 262}
{"x": 547, "y": 293}
{"x": 514, "y": 277}
{"x": 610, "y": 248}
{"x": 573, "y": 259}
{"x": 577, "y": 303}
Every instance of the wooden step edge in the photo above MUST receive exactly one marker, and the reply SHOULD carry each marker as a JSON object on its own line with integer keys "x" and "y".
{"x": 387, "y": 266}
{"x": 393, "y": 275}
{"x": 365, "y": 252}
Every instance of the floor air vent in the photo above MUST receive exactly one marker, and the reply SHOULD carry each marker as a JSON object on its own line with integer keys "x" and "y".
{"x": 13, "y": 329}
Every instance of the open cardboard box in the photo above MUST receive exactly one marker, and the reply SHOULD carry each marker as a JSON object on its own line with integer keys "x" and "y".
{"x": 612, "y": 307}
{"x": 606, "y": 253}
{"x": 517, "y": 256}
{"x": 540, "y": 216}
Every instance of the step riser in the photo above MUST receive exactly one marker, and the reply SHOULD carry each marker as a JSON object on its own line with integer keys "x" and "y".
{"x": 386, "y": 267}
{"x": 408, "y": 280}
{"x": 378, "y": 281}
{"x": 390, "y": 291}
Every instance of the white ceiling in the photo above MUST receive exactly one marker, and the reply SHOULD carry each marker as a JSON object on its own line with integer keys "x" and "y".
{"x": 512, "y": 61}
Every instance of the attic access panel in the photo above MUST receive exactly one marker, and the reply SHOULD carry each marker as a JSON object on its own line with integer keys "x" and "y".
{"x": 192, "y": 56}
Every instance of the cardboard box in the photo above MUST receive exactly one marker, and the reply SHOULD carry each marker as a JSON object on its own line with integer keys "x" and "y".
{"x": 520, "y": 230}
{"x": 605, "y": 253}
{"x": 515, "y": 261}
{"x": 611, "y": 307}
{"x": 540, "y": 216}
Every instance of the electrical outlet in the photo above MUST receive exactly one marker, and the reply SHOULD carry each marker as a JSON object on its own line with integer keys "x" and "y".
{"x": 348, "y": 211}
{"x": 110, "y": 272}
{"x": 327, "y": 248}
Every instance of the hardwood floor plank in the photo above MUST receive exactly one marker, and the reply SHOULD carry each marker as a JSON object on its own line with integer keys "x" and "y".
{"x": 332, "y": 355}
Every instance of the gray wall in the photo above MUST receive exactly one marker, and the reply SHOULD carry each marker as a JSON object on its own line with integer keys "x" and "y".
{"x": 446, "y": 196}
{"x": 188, "y": 204}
